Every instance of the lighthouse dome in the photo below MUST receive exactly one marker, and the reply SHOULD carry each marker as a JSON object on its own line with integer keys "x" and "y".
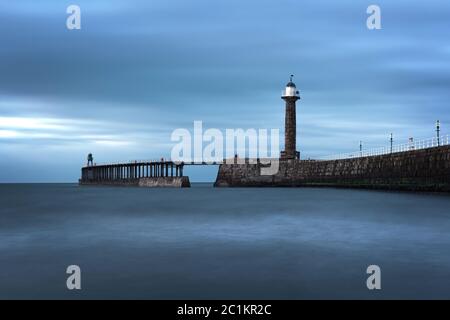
{"x": 291, "y": 85}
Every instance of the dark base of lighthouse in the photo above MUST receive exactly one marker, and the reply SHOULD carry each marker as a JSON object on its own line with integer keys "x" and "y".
{"x": 287, "y": 156}
{"x": 151, "y": 182}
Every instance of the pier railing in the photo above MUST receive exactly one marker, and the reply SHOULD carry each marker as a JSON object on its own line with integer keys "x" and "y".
{"x": 150, "y": 161}
{"x": 409, "y": 146}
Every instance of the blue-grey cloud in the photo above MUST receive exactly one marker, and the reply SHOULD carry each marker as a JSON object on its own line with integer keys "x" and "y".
{"x": 138, "y": 70}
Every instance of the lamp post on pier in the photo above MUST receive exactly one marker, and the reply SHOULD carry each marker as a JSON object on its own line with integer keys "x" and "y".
{"x": 438, "y": 132}
{"x": 392, "y": 141}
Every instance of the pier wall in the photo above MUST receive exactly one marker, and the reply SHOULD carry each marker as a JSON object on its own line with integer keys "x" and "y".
{"x": 153, "y": 182}
{"x": 417, "y": 170}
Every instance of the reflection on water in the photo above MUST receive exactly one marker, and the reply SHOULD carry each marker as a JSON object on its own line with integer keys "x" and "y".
{"x": 222, "y": 243}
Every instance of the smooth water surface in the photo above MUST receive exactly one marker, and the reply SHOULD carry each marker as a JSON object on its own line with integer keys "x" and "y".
{"x": 212, "y": 243}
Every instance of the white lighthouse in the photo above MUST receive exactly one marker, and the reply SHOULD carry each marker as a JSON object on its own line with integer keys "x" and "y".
{"x": 290, "y": 94}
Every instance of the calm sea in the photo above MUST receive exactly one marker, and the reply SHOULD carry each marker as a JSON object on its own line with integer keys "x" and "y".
{"x": 221, "y": 243}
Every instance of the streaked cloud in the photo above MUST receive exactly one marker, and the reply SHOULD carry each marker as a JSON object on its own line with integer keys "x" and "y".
{"x": 139, "y": 69}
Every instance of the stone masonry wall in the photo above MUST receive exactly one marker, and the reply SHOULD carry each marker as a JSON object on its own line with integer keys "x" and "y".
{"x": 419, "y": 170}
{"x": 152, "y": 182}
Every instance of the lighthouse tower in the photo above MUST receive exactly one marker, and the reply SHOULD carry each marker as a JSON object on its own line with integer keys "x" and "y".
{"x": 290, "y": 95}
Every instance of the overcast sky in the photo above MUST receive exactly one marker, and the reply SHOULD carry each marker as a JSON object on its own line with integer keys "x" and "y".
{"x": 137, "y": 70}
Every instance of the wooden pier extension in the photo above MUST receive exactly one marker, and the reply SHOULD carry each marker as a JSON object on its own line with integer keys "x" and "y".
{"x": 143, "y": 174}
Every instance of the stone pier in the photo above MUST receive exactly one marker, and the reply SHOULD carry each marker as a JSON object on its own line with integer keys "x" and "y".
{"x": 415, "y": 170}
